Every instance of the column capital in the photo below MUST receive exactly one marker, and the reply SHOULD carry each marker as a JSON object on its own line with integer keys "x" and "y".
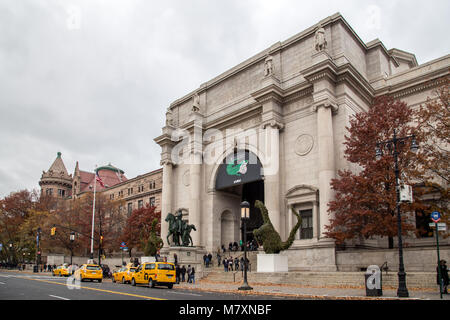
{"x": 325, "y": 104}
{"x": 273, "y": 124}
{"x": 166, "y": 162}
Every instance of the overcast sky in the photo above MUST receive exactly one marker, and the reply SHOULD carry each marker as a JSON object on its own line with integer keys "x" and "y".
{"x": 93, "y": 79}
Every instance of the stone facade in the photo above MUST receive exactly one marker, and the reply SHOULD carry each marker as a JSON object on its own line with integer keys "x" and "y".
{"x": 293, "y": 102}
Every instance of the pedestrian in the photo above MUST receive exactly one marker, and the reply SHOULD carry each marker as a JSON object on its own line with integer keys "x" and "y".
{"x": 444, "y": 275}
{"x": 242, "y": 263}
{"x": 175, "y": 259}
{"x": 177, "y": 273}
{"x": 230, "y": 264}
{"x": 204, "y": 259}
{"x": 225, "y": 265}
{"x": 193, "y": 275}
{"x": 218, "y": 259}
{"x": 189, "y": 269}
{"x": 236, "y": 264}
{"x": 210, "y": 258}
{"x": 183, "y": 273}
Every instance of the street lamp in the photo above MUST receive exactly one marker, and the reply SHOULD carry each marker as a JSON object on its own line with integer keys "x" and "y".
{"x": 72, "y": 239}
{"x": 245, "y": 214}
{"x": 393, "y": 145}
{"x": 38, "y": 245}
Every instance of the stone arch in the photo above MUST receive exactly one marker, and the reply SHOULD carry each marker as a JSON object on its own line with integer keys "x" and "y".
{"x": 228, "y": 227}
{"x": 219, "y": 159}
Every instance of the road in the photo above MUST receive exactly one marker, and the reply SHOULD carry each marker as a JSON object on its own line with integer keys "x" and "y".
{"x": 25, "y": 286}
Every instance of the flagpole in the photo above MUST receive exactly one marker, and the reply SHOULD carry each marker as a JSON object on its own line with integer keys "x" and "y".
{"x": 93, "y": 215}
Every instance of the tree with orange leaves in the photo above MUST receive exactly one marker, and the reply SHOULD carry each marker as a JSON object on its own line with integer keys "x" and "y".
{"x": 140, "y": 226}
{"x": 365, "y": 198}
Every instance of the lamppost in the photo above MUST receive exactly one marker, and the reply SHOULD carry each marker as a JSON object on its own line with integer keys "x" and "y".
{"x": 72, "y": 239}
{"x": 392, "y": 146}
{"x": 38, "y": 253}
{"x": 245, "y": 214}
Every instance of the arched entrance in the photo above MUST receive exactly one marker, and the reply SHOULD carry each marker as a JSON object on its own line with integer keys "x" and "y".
{"x": 239, "y": 178}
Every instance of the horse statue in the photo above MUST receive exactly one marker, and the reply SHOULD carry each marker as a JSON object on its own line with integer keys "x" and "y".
{"x": 186, "y": 237}
{"x": 173, "y": 229}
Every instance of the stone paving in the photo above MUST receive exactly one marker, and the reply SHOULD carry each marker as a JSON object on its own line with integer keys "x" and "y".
{"x": 310, "y": 292}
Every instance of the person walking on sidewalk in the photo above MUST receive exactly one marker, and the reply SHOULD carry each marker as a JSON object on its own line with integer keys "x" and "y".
{"x": 183, "y": 273}
{"x": 444, "y": 275}
{"x": 193, "y": 275}
{"x": 189, "y": 269}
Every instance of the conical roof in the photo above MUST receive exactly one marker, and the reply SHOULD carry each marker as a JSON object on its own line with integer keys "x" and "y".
{"x": 57, "y": 171}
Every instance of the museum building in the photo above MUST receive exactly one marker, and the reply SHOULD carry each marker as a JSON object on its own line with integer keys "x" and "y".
{"x": 272, "y": 129}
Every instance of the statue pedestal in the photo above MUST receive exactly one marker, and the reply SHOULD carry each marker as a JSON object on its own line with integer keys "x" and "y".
{"x": 272, "y": 263}
{"x": 186, "y": 256}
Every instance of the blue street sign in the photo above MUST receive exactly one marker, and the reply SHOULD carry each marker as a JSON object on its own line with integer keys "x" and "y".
{"x": 435, "y": 216}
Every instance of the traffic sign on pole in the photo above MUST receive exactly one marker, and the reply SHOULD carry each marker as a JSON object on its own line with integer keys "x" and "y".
{"x": 435, "y": 216}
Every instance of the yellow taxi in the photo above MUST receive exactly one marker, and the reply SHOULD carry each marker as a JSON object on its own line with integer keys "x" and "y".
{"x": 124, "y": 274}
{"x": 154, "y": 273}
{"x": 89, "y": 272}
{"x": 61, "y": 270}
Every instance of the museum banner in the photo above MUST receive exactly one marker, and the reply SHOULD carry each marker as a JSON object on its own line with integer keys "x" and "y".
{"x": 239, "y": 167}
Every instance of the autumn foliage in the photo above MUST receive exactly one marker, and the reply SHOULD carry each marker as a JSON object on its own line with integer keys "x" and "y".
{"x": 365, "y": 197}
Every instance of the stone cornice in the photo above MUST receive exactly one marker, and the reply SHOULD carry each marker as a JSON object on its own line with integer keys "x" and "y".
{"x": 415, "y": 84}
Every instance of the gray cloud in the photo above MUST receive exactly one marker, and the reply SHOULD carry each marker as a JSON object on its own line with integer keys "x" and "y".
{"x": 93, "y": 79}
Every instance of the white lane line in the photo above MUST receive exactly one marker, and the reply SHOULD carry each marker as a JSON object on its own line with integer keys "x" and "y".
{"x": 2, "y": 282}
{"x": 186, "y": 293}
{"x": 58, "y": 297}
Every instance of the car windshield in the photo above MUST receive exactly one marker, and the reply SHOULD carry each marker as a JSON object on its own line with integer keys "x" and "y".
{"x": 132, "y": 269}
{"x": 164, "y": 266}
{"x": 93, "y": 268}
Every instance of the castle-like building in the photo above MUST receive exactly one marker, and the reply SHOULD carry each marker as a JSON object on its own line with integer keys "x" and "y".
{"x": 136, "y": 192}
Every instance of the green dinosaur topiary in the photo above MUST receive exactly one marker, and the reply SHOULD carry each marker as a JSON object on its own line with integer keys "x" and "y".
{"x": 268, "y": 236}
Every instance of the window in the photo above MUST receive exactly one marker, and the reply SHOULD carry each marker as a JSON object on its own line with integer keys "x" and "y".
{"x": 49, "y": 192}
{"x": 140, "y": 204}
{"x": 152, "y": 201}
{"x": 165, "y": 266}
{"x": 61, "y": 192}
{"x": 130, "y": 208}
{"x": 150, "y": 266}
{"x": 306, "y": 229}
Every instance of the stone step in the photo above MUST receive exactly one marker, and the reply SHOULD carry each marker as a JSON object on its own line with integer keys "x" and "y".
{"x": 350, "y": 279}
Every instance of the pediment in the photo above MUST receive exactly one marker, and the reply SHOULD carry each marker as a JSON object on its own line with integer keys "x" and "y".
{"x": 301, "y": 191}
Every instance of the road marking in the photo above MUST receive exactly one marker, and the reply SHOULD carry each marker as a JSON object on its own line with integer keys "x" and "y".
{"x": 2, "y": 283}
{"x": 185, "y": 293}
{"x": 96, "y": 289}
{"x": 58, "y": 297}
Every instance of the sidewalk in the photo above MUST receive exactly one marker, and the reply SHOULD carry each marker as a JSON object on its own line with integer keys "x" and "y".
{"x": 309, "y": 292}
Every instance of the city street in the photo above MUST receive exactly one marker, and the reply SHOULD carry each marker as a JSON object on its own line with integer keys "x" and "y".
{"x": 26, "y": 286}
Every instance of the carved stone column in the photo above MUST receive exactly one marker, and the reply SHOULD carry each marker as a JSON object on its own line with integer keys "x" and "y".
{"x": 271, "y": 173}
{"x": 166, "y": 198}
{"x": 194, "y": 203}
{"x": 326, "y": 160}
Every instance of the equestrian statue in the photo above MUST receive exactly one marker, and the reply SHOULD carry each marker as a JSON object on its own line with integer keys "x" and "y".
{"x": 179, "y": 230}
